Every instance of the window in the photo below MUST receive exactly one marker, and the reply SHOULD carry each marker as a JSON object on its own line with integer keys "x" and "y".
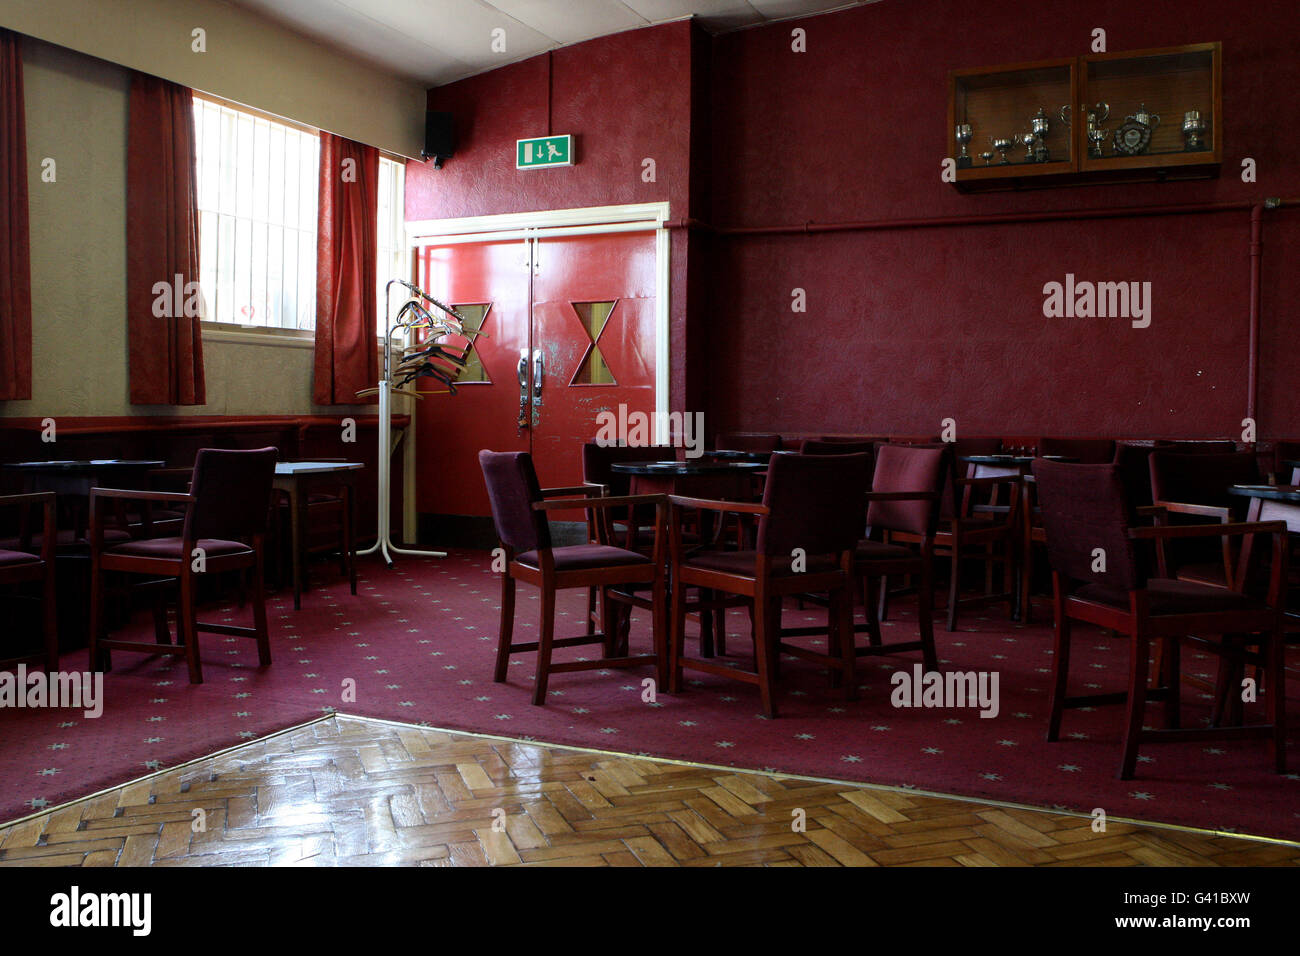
{"x": 257, "y": 193}
{"x": 258, "y": 182}
{"x": 391, "y": 261}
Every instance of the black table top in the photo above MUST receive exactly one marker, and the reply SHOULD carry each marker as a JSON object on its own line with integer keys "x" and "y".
{"x": 684, "y": 467}
{"x": 1270, "y": 492}
{"x": 739, "y": 454}
{"x": 1013, "y": 459}
{"x": 88, "y": 465}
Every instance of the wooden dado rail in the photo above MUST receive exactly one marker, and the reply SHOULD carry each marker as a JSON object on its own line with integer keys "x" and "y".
{"x": 176, "y": 439}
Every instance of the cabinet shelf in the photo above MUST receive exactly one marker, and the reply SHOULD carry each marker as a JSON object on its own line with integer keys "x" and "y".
{"x": 1103, "y": 118}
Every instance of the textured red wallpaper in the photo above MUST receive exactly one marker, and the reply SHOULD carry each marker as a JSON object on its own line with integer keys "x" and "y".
{"x": 906, "y": 327}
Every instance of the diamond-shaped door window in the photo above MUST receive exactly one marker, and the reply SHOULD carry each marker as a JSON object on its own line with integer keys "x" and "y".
{"x": 475, "y": 317}
{"x": 593, "y": 369}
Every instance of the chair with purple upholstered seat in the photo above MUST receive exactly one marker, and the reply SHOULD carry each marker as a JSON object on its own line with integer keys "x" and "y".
{"x": 1099, "y": 577}
{"x": 27, "y": 562}
{"x": 226, "y": 515}
{"x": 810, "y": 520}
{"x": 519, "y": 506}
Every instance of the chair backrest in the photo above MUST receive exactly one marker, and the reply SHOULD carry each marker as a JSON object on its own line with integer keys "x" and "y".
{"x": 815, "y": 502}
{"x": 232, "y": 493}
{"x": 1087, "y": 451}
{"x": 1201, "y": 479}
{"x": 909, "y": 468}
{"x": 949, "y": 506}
{"x": 1134, "y": 463}
{"x": 734, "y": 442}
{"x": 597, "y": 460}
{"x": 512, "y": 489}
{"x": 1085, "y": 507}
{"x": 814, "y": 446}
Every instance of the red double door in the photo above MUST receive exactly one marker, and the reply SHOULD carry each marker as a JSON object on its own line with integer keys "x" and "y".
{"x": 568, "y": 328}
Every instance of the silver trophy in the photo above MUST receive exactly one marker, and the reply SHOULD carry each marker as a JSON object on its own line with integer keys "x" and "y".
{"x": 1193, "y": 127}
{"x": 1003, "y": 144}
{"x": 1040, "y": 125}
{"x": 963, "y": 135}
{"x": 987, "y": 156}
{"x": 1030, "y": 142}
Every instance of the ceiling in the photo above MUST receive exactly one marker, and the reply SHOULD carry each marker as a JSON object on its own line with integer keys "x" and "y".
{"x": 438, "y": 41}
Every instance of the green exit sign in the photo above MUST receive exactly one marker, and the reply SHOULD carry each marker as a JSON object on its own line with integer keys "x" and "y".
{"x": 543, "y": 151}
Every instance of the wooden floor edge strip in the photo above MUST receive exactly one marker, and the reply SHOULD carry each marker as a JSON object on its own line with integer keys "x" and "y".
{"x": 157, "y": 773}
{"x": 860, "y": 784}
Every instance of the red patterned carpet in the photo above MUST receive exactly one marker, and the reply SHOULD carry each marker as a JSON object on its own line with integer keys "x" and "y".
{"x": 419, "y": 642}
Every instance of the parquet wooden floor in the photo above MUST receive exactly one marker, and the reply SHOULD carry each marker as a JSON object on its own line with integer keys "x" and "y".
{"x": 353, "y": 791}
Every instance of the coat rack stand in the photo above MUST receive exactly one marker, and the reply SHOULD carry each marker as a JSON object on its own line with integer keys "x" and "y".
{"x": 384, "y": 539}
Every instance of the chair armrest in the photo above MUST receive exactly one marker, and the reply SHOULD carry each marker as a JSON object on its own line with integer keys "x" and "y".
{"x": 563, "y": 504}
{"x": 597, "y": 486}
{"x": 902, "y": 496}
{"x": 708, "y": 504}
{"x": 1204, "y": 511}
{"x": 989, "y": 481}
{"x": 1232, "y": 529}
{"x": 128, "y": 494}
{"x": 30, "y": 498}
{"x": 583, "y": 490}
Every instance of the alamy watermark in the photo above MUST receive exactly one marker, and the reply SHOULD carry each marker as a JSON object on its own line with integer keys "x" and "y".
{"x": 73, "y": 689}
{"x": 923, "y": 688}
{"x": 1100, "y": 300}
{"x": 642, "y": 429}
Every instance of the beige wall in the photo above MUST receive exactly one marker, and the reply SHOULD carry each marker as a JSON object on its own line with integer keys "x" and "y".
{"x": 76, "y": 115}
{"x": 248, "y": 60}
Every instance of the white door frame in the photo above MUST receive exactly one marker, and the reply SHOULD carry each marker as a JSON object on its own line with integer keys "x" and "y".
{"x": 556, "y": 223}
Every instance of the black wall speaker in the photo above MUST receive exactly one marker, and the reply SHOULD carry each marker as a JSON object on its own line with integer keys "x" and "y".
{"x": 439, "y": 139}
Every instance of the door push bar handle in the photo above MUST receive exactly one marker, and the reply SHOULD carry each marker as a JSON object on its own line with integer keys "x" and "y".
{"x": 521, "y": 370}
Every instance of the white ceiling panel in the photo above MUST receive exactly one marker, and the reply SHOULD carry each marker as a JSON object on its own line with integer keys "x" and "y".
{"x": 439, "y": 41}
{"x": 569, "y": 21}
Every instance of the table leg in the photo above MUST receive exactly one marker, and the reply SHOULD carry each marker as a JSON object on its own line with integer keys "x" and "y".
{"x": 349, "y": 519}
{"x": 297, "y": 518}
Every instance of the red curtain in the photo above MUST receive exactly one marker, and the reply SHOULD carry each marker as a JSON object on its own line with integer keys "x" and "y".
{"x": 346, "y": 280}
{"x": 15, "y": 249}
{"x": 162, "y": 242}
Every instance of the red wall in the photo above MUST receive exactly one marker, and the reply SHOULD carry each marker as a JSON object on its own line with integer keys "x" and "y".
{"x": 623, "y": 97}
{"x": 907, "y": 327}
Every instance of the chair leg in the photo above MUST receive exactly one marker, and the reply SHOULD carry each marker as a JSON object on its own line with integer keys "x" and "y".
{"x": 763, "y": 655}
{"x": 844, "y": 627}
{"x": 49, "y": 620}
{"x": 925, "y": 617}
{"x": 260, "y": 628}
{"x": 774, "y": 608}
{"x": 186, "y": 625}
{"x": 882, "y": 612}
{"x": 954, "y": 588}
{"x": 659, "y": 629}
{"x": 349, "y": 535}
{"x": 162, "y": 633}
{"x": 545, "y": 645}
{"x": 591, "y": 613}
{"x": 1060, "y": 671}
{"x": 1276, "y": 690}
{"x": 99, "y": 657}
{"x": 1139, "y": 662}
{"x": 870, "y": 602}
{"x": 1173, "y": 678}
{"x": 677, "y": 637}
{"x": 612, "y": 622}
{"x": 506, "y": 631}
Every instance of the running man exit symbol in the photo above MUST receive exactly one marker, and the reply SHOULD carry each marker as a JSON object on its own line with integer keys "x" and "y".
{"x": 543, "y": 151}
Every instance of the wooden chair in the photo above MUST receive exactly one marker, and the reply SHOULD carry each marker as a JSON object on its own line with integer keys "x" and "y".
{"x": 975, "y": 524}
{"x": 1196, "y": 486}
{"x": 811, "y": 503}
{"x": 226, "y": 514}
{"x": 904, "y": 497}
{"x": 519, "y": 507}
{"x": 1085, "y": 510}
{"x": 28, "y": 563}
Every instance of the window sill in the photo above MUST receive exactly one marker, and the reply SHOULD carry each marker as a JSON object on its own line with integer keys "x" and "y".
{"x": 257, "y": 335}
